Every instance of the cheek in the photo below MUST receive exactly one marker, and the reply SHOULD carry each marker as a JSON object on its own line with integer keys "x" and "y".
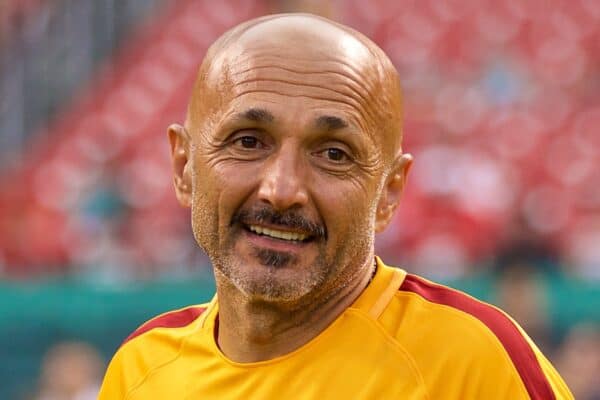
{"x": 220, "y": 189}
{"x": 233, "y": 186}
{"x": 346, "y": 206}
{"x": 205, "y": 204}
{"x": 348, "y": 214}
{"x": 204, "y": 217}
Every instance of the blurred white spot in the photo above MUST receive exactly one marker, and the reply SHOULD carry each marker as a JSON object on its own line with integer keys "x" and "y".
{"x": 435, "y": 170}
{"x": 441, "y": 256}
{"x": 486, "y": 186}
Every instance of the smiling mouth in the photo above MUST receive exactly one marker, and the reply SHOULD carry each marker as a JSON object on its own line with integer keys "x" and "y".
{"x": 279, "y": 234}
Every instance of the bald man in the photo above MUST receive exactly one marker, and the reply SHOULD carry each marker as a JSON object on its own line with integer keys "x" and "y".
{"x": 290, "y": 159}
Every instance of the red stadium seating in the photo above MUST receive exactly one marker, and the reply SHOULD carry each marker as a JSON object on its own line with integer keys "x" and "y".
{"x": 114, "y": 136}
{"x": 502, "y": 109}
{"x": 500, "y": 96}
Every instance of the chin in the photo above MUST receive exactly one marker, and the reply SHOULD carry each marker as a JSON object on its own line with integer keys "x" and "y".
{"x": 278, "y": 286}
{"x": 275, "y": 259}
{"x": 267, "y": 297}
{"x": 289, "y": 283}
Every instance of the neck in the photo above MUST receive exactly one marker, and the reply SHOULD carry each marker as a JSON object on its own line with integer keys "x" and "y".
{"x": 251, "y": 331}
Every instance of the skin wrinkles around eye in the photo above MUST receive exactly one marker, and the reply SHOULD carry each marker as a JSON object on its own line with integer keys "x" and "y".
{"x": 322, "y": 159}
{"x": 234, "y": 148}
{"x": 358, "y": 155}
{"x": 216, "y": 147}
{"x": 250, "y": 144}
{"x": 359, "y": 148}
{"x": 352, "y": 167}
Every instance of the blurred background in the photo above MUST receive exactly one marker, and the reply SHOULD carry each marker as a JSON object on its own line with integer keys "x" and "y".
{"x": 502, "y": 116}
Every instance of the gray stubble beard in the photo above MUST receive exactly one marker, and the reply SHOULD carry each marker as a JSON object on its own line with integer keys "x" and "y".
{"x": 271, "y": 289}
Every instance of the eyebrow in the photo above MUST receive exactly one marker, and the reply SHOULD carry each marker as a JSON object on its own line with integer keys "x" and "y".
{"x": 256, "y": 115}
{"x": 330, "y": 123}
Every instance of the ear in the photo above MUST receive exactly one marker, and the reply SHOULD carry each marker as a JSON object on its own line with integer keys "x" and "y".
{"x": 180, "y": 157}
{"x": 392, "y": 191}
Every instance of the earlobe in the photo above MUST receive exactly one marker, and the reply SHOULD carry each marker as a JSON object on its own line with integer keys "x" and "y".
{"x": 392, "y": 192}
{"x": 180, "y": 157}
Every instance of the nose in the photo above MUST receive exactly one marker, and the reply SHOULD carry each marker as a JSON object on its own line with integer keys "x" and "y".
{"x": 283, "y": 183}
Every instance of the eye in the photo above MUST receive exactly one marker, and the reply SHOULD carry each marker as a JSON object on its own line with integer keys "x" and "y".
{"x": 248, "y": 142}
{"x": 335, "y": 154}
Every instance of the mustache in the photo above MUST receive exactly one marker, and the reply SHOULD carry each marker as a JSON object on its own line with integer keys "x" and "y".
{"x": 289, "y": 219}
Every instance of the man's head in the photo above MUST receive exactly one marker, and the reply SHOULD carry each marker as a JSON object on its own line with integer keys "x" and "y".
{"x": 290, "y": 157}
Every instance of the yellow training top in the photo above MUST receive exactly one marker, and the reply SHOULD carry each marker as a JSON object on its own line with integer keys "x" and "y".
{"x": 403, "y": 338}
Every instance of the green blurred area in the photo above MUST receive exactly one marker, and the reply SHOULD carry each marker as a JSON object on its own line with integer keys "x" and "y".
{"x": 34, "y": 316}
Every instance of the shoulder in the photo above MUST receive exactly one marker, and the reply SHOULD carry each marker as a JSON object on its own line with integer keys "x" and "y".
{"x": 154, "y": 343}
{"x": 180, "y": 318}
{"x": 161, "y": 336}
{"x": 443, "y": 327}
{"x": 456, "y": 311}
{"x": 453, "y": 315}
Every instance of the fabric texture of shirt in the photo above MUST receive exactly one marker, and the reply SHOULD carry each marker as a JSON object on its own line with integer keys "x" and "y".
{"x": 404, "y": 337}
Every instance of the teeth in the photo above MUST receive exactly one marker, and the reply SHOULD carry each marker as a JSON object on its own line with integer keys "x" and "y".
{"x": 277, "y": 234}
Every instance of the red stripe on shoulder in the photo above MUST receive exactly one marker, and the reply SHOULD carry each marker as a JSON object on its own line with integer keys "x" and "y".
{"x": 510, "y": 337}
{"x": 174, "y": 319}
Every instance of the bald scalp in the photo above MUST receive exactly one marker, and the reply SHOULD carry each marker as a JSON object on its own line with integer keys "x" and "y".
{"x": 300, "y": 31}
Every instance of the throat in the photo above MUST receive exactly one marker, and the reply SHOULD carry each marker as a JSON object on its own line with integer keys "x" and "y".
{"x": 250, "y": 331}
{"x": 260, "y": 337}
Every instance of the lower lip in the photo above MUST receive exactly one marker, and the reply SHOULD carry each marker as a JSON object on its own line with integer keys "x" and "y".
{"x": 273, "y": 243}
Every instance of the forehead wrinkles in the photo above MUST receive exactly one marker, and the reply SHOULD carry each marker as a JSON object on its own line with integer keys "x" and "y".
{"x": 333, "y": 79}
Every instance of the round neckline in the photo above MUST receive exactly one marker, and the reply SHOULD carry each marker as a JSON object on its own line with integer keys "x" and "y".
{"x": 367, "y": 299}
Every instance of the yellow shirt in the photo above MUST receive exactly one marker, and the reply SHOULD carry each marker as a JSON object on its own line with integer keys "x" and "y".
{"x": 403, "y": 338}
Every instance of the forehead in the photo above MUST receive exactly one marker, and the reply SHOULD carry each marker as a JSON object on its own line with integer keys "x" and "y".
{"x": 306, "y": 71}
{"x": 312, "y": 37}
